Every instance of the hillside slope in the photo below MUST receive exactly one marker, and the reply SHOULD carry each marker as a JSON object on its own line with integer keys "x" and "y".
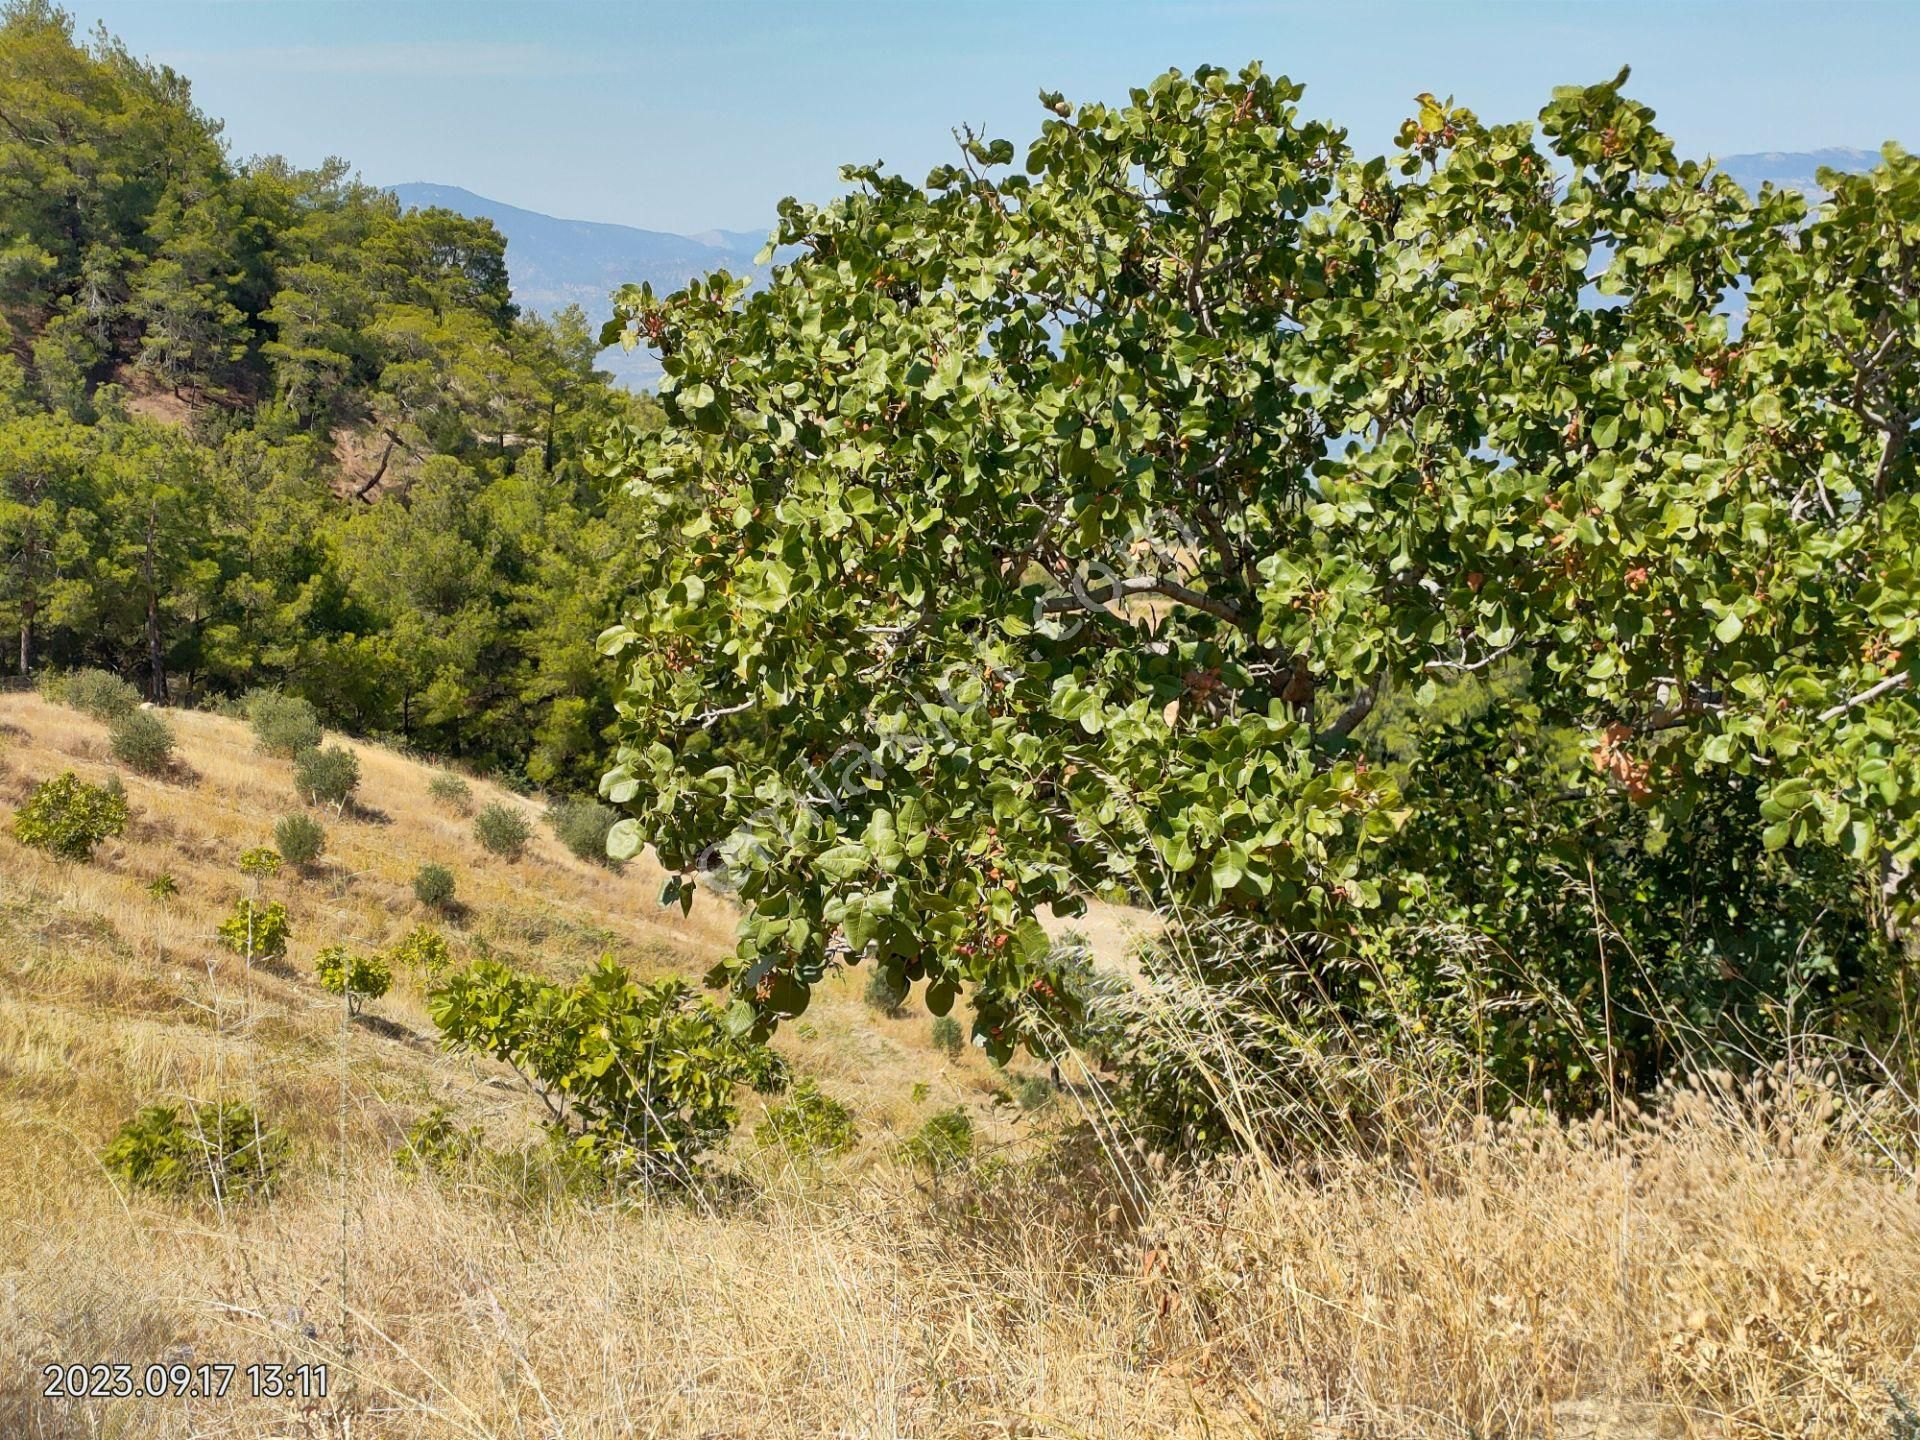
{"x": 112, "y": 999}
{"x": 1730, "y": 1268}
{"x": 550, "y": 913}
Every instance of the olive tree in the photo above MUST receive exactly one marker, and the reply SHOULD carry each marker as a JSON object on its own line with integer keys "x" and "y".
{"x": 1032, "y": 535}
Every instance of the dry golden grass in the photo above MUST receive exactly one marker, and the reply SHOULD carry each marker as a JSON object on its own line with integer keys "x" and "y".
{"x": 1737, "y": 1264}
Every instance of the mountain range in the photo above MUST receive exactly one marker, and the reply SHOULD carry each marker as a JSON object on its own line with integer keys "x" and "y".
{"x": 1796, "y": 169}
{"x": 555, "y": 262}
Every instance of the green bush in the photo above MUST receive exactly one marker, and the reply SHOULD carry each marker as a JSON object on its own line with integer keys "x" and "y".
{"x": 648, "y": 1071}
{"x": 436, "y": 1145}
{"x": 1035, "y": 1092}
{"x": 327, "y": 776}
{"x": 502, "y": 829}
{"x": 359, "y": 978}
{"x": 810, "y": 1123}
{"x": 163, "y": 887}
{"x": 1090, "y": 1001}
{"x": 258, "y": 933}
{"x": 1527, "y": 854}
{"x": 423, "y": 951}
{"x": 283, "y": 725}
{"x": 1904, "y": 1422}
{"x": 218, "y": 1147}
{"x": 451, "y": 791}
{"x": 948, "y": 1038}
{"x": 943, "y": 1141}
{"x": 547, "y": 1173}
{"x": 1244, "y": 1036}
{"x": 141, "y": 741}
{"x": 262, "y": 862}
{"x": 94, "y": 692}
{"x": 433, "y": 885}
{"x": 68, "y": 817}
{"x": 885, "y": 995}
{"x": 300, "y": 838}
{"x": 582, "y": 827}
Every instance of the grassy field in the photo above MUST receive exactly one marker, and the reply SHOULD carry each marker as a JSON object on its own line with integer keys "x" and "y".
{"x": 1742, "y": 1261}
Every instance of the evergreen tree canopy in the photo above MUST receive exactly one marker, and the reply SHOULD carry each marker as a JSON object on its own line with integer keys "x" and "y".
{"x": 259, "y": 426}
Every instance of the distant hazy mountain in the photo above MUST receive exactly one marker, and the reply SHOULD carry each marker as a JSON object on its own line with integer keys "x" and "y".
{"x": 736, "y": 242}
{"x": 1796, "y": 169}
{"x": 555, "y": 263}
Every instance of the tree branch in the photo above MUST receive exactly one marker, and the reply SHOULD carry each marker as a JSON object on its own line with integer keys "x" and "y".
{"x": 1084, "y": 599}
{"x": 1872, "y": 692}
{"x": 1890, "y": 451}
{"x": 1466, "y": 666}
{"x": 706, "y": 717}
{"x": 1360, "y": 706}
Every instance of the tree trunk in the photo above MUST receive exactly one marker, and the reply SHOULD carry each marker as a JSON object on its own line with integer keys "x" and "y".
{"x": 157, "y": 665}
{"x": 29, "y": 601}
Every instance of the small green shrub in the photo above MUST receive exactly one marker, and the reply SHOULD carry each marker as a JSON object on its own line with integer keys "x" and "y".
{"x": 68, "y": 817}
{"x": 141, "y": 741}
{"x": 217, "y": 1147}
{"x": 327, "y": 776}
{"x": 424, "y": 952}
{"x": 300, "y": 838}
{"x": 1035, "y": 1093}
{"x": 94, "y": 692}
{"x": 948, "y": 1038}
{"x": 539, "y": 1176}
{"x": 503, "y": 830}
{"x": 1904, "y": 1422}
{"x": 811, "y": 1123}
{"x": 283, "y": 725}
{"x": 256, "y": 932}
{"x": 451, "y": 791}
{"x": 359, "y": 978}
{"x": 649, "y": 1069}
{"x": 1097, "y": 1003}
{"x": 883, "y": 995}
{"x": 433, "y": 885}
{"x": 262, "y": 862}
{"x": 943, "y": 1141}
{"x": 163, "y": 887}
{"x": 582, "y": 827}
{"x": 436, "y": 1145}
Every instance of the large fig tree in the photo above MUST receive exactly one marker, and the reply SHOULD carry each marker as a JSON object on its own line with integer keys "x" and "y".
{"x": 1031, "y": 535}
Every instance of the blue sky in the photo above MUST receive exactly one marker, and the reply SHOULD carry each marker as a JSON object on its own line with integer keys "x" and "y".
{"x": 686, "y": 116}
